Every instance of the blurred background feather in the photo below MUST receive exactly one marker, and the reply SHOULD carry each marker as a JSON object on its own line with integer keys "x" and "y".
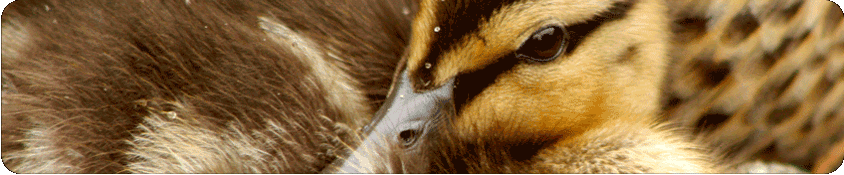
{"x": 763, "y": 79}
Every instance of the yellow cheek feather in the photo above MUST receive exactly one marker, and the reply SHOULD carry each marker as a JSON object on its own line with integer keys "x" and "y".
{"x": 538, "y": 102}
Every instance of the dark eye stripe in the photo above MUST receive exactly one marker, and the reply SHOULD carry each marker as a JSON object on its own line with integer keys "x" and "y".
{"x": 471, "y": 84}
{"x": 455, "y": 19}
{"x": 580, "y": 30}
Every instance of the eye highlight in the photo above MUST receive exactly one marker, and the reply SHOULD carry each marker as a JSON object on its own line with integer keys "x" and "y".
{"x": 544, "y": 45}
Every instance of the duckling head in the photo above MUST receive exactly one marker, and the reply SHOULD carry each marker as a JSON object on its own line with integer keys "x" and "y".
{"x": 487, "y": 85}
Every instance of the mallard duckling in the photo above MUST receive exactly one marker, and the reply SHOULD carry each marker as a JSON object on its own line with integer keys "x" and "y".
{"x": 521, "y": 86}
{"x": 192, "y": 86}
{"x": 63, "y": 114}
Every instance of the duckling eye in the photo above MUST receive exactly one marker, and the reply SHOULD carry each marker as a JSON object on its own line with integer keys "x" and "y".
{"x": 544, "y": 45}
{"x": 408, "y": 137}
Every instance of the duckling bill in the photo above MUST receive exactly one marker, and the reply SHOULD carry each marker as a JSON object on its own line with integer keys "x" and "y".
{"x": 409, "y": 117}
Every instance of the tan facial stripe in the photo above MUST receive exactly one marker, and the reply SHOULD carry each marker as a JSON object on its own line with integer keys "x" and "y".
{"x": 455, "y": 19}
{"x": 579, "y": 31}
{"x": 470, "y": 85}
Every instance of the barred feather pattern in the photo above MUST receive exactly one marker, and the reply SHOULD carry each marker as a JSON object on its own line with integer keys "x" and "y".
{"x": 762, "y": 78}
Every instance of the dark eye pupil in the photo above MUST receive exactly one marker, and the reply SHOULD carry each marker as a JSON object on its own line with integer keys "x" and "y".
{"x": 408, "y": 137}
{"x": 544, "y": 45}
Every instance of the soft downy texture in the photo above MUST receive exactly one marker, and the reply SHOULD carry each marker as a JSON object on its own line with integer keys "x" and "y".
{"x": 192, "y": 86}
{"x": 100, "y": 86}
